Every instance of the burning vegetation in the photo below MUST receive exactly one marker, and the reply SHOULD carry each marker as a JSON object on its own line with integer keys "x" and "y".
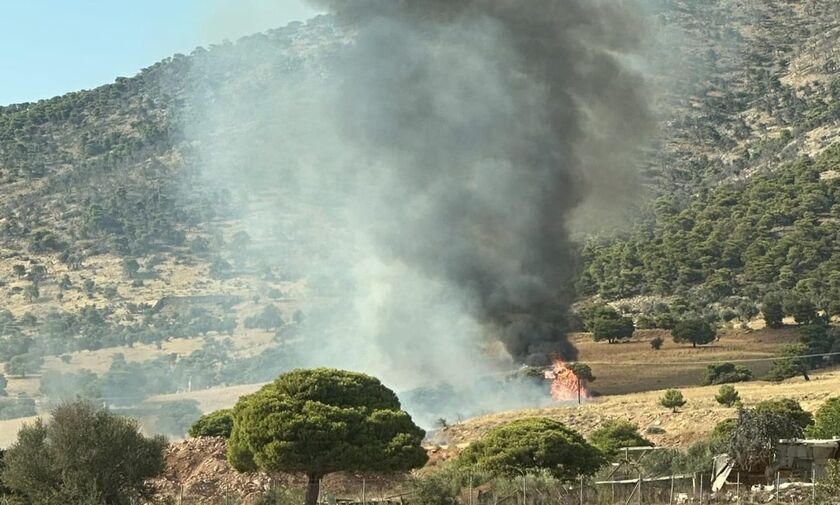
{"x": 569, "y": 381}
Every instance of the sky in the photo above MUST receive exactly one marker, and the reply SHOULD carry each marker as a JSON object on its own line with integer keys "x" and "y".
{"x": 51, "y": 47}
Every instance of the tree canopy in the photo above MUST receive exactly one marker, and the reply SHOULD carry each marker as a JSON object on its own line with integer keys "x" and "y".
{"x": 82, "y": 455}
{"x": 533, "y": 444}
{"x": 826, "y": 420}
{"x": 693, "y": 331}
{"x": 321, "y": 421}
{"x": 617, "y": 434}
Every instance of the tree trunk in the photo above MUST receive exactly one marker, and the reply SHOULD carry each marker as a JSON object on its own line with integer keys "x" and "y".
{"x": 313, "y": 489}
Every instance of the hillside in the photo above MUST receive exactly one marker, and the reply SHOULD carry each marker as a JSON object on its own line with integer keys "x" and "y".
{"x": 140, "y": 264}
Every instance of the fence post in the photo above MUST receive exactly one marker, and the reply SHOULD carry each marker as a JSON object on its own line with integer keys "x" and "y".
{"x": 671, "y": 496}
{"x": 814, "y": 482}
{"x": 471, "y": 488}
{"x": 640, "y": 488}
{"x": 738, "y": 487}
{"x": 701, "y": 488}
{"x": 364, "y": 492}
{"x": 581, "y": 490}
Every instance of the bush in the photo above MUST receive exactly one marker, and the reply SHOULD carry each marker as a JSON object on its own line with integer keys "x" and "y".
{"x": 656, "y": 343}
{"x": 536, "y": 443}
{"x": 725, "y": 373}
{"x": 615, "y": 435}
{"x": 728, "y": 395}
{"x": 789, "y": 364}
{"x": 214, "y": 424}
{"x": 672, "y": 399}
{"x": 827, "y": 420}
{"x": 786, "y": 407}
{"x": 82, "y": 455}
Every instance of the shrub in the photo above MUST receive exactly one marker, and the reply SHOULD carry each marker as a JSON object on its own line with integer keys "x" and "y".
{"x": 786, "y": 407}
{"x": 827, "y": 420}
{"x": 672, "y": 399}
{"x": 728, "y": 395}
{"x": 536, "y": 443}
{"x": 214, "y": 424}
{"x": 82, "y": 455}
{"x": 656, "y": 343}
{"x": 615, "y": 435}
{"x": 725, "y": 373}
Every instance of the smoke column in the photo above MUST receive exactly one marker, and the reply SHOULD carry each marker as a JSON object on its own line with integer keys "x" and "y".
{"x": 447, "y": 145}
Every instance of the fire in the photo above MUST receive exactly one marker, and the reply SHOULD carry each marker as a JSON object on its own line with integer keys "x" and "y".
{"x": 565, "y": 385}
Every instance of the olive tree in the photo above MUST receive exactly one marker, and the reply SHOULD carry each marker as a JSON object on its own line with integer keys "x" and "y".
{"x": 321, "y": 421}
{"x": 82, "y": 455}
{"x": 533, "y": 444}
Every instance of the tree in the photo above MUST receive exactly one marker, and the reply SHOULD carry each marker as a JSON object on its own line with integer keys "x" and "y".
{"x": 214, "y": 424}
{"x": 672, "y": 399}
{"x": 65, "y": 283}
{"x": 789, "y": 364}
{"x": 19, "y": 270}
{"x": 725, "y": 373}
{"x": 615, "y": 434}
{"x": 130, "y": 267}
{"x": 656, "y": 343}
{"x": 786, "y": 407}
{"x": 827, "y": 420}
{"x": 535, "y": 443}
{"x": 695, "y": 331}
{"x": 612, "y": 330}
{"x": 82, "y": 455}
{"x": 753, "y": 440}
{"x": 22, "y": 364}
{"x": 801, "y": 308}
{"x": 322, "y": 421}
{"x": 728, "y": 395}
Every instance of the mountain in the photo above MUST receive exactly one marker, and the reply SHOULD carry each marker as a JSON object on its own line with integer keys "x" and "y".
{"x": 115, "y": 237}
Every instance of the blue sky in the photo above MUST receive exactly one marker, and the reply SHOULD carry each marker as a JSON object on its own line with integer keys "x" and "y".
{"x": 51, "y": 47}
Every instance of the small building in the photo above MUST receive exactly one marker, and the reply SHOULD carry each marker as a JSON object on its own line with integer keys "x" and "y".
{"x": 806, "y": 458}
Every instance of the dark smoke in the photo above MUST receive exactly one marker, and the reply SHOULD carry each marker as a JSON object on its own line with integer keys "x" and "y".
{"x": 484, "y": 125}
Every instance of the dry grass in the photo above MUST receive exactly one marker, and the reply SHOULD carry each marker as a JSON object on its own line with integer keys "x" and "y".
{"x": 694, "y": 421}
{"x": 616, "y": 370}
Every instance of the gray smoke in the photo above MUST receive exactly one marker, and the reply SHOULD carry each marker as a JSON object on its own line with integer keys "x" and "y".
{"x": 422, "y": 172}
{"x": 488, "y": 122}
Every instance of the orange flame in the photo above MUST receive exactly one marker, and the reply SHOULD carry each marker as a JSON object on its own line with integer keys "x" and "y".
{"x": 565, "y": 385}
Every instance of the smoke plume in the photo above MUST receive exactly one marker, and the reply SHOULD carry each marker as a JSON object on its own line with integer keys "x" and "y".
{"x": 429, "y": 164}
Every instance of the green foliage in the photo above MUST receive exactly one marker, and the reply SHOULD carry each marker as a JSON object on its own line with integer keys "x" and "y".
{"x": 656, "y": 343}
{"x": 23, "y": 364}
{"x": 214, "y": 424}
{"x": 773, "y": 311}
{"x": 616, "y": 434}
{"x": 280, "y": 496}
{"x": 826, "y": 421}
{"x": 753, "y": 440}
{"x": 801, "y": 308}
{"x": 441, "y": 486}
{"x": 789, "y": 364}
{"x": 612, "y": 330}
{"x": 828, "y": 487}
{"x": 672, "y": 399}
{"x": 728, "y": 396}
{"x": 725, "y": 373}
{"x": 532, "y": 444}
{"x": 582, "y": 371}
{"x": 3, "y": 384}
{"x": 321, "y": 421}
{"x": 786, "y": 407}
{"x": 773, "y": 230}
{"x": 693, "y": 331}
{"x": 82, "y": 455}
